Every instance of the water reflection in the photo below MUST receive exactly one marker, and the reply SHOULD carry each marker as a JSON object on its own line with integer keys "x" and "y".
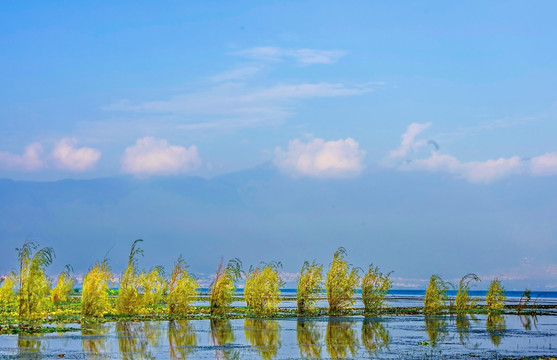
{"x": 340, "y": 339}
{"x": 495, "y": 326}
{"x": 182, "y": 339}
{"x": 528, "y": 320}
{"x": 135, "y": 339}
{"x": 30, "y": 345}
{"x": 308, "y": 335}
{"x": 221, "y": 336}
{"x": 264, "y": 335}
{"x": 374, "y": 336}
{"x": 93, "y": 339}
{"x": 436, "y": 328}
{"x": 463, "y": 328}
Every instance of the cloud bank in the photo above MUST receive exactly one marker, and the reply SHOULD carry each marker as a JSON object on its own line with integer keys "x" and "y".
{"x": 473, "y": 171}
{"x": 30, "y": 160}
{"x": 320, "y": 158}
{"x": 68, "y": 157}
{"x": 150, "y": 156}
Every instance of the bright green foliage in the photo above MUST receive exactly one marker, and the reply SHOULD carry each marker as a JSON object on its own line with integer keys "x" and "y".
{"x": 463, "y": 300}
{"x": 223, "y": 287}
{"x": 262, "y": 289}
{"x": 310, "y": 284}
{"x": 34, "y": 286}
{"x": 153, "y": 286}
{"x": 7, "y": 293}
{"x": 264, "y": 336}
{"x": 182, "y": 289}
{"x": 375, "y": 285}
{"x": 64, "y": 285}
{"x": 495, "y": 298}
{"x": 341, "y": 282}
{"x": 128, "y": 300}
{"x": 94, "y": 295}
{"x": 435, "y": 295}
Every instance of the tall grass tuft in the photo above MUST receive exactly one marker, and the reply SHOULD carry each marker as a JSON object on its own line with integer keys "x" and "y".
{"x": 94, "y": 295}
{"x": 495, "y": 298}
{"x": 182, "y": 288}
{"x": 64, "y": 285}
{"x": 463, "y": 301}
{"x": 262, "y": 289}
{"x": 153, "y": 286}
{"x": 435, "y": 295}
{"x": 223, "y": 287}
{"x": 34, "y": 285}
{"x": 341, "y": 282}
{"x": 375, "y": 285}
{"x": 128, "y": 300}
{"x": 7, "y": 290}
{"x": 310, "y": 285}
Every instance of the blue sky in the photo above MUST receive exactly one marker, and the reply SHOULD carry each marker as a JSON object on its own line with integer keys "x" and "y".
{"x": 321, "y": 90}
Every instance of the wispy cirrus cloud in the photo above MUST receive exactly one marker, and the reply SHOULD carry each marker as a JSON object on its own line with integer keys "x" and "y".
{"x": 320, "y": 158}
{"x": 302, "y": 56}
{"x": 486, "y": 171}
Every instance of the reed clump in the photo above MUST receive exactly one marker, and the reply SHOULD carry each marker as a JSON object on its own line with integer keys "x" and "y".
{"x": 223, "y": 287}
{"x": 128, "y": 300}
{"x": 375, "y": 285}
{"x": 495, "y": 298}
{"x": 64, "y": 284}
{"x": 341, "y": 283}
{"x": 34, "y": 285}
{"x": 436, "y": 295}
{"x": 94, "y": 295}
{"x": 310, "y": 285}
{"x": 262, "y": 289}
{"x": 463, "y": 301}
{"x": 153, "y": 286}
{"x": 182, "y": 289}
{"x": 7, "y": 290}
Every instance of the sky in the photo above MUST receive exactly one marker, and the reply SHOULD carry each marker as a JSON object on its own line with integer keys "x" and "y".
{"x": 324, "y": 92}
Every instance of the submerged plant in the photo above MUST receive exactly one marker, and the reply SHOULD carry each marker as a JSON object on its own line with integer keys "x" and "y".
{"x": 495, "y": 298}
{"x": 128, "y": 300}
{"x": 223, "y": 287}
{"x": 375, "y": 285}
{"x": 182, "y": 288}
{"x": 463, "y": 301}
{"x": 310, "y": 285}
{"x": 64, "y": 285}
{"x": 341, "y": 282}
{"x": 262, "y": 289}
{"x": 94, "y": 295}
{"x": 7, "y": 290}
{"x": 435, "y": 295}
{"x": 34, "y": 285}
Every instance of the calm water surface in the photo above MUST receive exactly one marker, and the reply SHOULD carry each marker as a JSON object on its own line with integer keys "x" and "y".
{"x": 386, "y": 337}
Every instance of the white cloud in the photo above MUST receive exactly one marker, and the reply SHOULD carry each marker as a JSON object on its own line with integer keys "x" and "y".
{"x": 68, "y": 157}
{"x": 303, "y": 56}
{"x": 235, "y": 74}
{"x": 473, "y": 171}
{"x": 408, "y": 142}
{"x": 544, "y": 164}
{"x": 320, "y": 158}
{"x": 150, "y": 156}
{"x": 30, "y": 160}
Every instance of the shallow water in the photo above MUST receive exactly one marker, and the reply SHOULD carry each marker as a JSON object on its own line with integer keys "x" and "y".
{"x": 387, "y": 337}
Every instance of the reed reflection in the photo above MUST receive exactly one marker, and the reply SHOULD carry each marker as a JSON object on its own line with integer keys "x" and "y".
{"x": 528, "y": 320}
{"x": 495, "y": 326}
{"x": 374, "y": 336}
{"x": 437, "y": 329}
{"x": 463, "y": 328}
{"x": 93, "y": 339}
{"x": 222, "y": 335}
{"x": 264, "y": 335}
{"x": 135, "y": 339}
{"x": 30, "y": 346}
{"x": 341, "y": 339}
{"x": 308, "y": 335}
{"x": 182, "y": 339}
